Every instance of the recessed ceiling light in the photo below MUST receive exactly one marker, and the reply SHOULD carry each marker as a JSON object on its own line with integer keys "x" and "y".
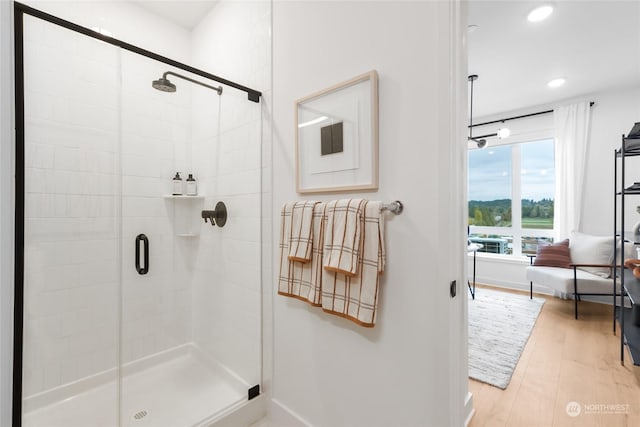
{"x": 540, "y": 13}
{"x": 471, "y": 28}
{"x": 557, "y": 82}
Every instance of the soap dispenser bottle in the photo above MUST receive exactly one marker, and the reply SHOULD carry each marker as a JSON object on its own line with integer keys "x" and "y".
{"x": 192, "y": 188}
{"x": 177, "y": 185}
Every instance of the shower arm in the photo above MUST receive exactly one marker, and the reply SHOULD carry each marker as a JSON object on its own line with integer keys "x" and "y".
{"x": 217, "y": 89}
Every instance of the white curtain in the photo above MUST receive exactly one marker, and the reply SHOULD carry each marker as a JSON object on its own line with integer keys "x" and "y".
{"x": 571, "y": 123}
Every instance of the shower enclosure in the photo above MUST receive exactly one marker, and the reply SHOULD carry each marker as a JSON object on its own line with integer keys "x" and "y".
{"x": 130, "y": 309}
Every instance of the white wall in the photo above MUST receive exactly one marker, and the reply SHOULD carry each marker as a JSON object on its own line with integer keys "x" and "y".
{"x": 7, "y": 185}
{"x": 328, "y": 370}
{"x": 613, "y": 114}
{"x": 232, "y": 41}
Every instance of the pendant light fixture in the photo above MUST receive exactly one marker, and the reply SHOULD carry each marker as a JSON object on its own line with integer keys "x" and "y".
{"x": 480, "y": 142}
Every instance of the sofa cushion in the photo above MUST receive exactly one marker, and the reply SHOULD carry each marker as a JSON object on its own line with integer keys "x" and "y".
{"x": 556, "y": 255}
{"x": 561, "y": 279}
{"x": 590, "y": 249}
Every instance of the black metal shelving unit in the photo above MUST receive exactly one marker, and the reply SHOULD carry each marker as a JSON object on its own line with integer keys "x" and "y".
{"x": 630, "y": 324}
{"x": 628, "y": 318}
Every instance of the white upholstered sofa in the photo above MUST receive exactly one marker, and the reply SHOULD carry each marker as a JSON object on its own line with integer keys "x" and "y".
{"x": 590, "y": 271}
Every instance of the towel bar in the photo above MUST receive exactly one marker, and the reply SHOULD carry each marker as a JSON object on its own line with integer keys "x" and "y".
{"x": 393, "y": 207}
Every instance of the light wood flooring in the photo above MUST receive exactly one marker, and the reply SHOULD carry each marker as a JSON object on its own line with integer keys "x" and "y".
{"x": 565, "y": 360}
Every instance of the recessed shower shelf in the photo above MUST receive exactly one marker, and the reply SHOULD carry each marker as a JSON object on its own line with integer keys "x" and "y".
{"x": 186, "y": 214}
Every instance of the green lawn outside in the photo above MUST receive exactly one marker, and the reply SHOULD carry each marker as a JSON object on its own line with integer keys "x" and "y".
{"x": 539, "y": 223}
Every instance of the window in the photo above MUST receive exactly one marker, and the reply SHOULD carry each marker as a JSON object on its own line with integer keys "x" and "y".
{"x": 511, "y": 194}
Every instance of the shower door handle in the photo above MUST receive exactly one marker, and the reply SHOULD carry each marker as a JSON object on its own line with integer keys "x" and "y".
{"x": 145, "y": 241}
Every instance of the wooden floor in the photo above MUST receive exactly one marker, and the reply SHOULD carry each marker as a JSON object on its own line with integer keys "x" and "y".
{"x": 565, "y": 360}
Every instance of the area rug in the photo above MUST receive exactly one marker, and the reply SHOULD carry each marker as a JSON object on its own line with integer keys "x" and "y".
{"x": 499, "y": 326}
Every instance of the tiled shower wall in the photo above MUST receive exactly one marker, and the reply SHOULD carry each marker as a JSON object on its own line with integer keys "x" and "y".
{"x": 71, "y": 206}
{"x": 95, "y": 131}
{"x": 155, "y": 142}
{"x": 233, "y": 40}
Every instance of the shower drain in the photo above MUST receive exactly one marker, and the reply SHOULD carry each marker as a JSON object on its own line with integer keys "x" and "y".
{"x": 140, "y": 415}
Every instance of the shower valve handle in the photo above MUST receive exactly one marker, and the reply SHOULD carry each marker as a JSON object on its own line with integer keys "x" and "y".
{"x": 218, "y": 216}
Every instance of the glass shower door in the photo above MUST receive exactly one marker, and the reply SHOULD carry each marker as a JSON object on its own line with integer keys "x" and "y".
{"x": 72, "y": 228}
{"x": 191, "y": 324}
{"x": 155, "y": 294}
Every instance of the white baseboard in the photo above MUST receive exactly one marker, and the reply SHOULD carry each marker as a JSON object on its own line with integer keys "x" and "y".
{"x": 544, "y": 290}
{"x": 513, "y": 285}
{"x": 468, "y": 408}
{"x": 281, "y": 416}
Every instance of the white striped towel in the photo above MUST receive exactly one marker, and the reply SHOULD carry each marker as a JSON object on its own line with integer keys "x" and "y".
{"x": 356, "y": 298}
{"x": 300, "y": 240}
{"x": 342, "y": 240}
{"x": 301, "y": 280}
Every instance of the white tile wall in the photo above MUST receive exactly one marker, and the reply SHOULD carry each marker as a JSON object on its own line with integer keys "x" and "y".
{"x": 71, "y": 228}
{"x": 232, "y": 41}
{"x": 101, "y": 148}
{"x": 156, "y": 137}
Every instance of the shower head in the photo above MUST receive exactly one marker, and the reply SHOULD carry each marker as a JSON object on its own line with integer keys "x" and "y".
{"x": 163, "y": 84}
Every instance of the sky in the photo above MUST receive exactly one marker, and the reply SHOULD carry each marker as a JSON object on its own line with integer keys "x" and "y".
{"x": 490, "y": 171}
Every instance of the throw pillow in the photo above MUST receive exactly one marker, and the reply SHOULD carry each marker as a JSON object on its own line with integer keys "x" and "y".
{"x": 590, "y": 249}
{"x": 556, "y": 255}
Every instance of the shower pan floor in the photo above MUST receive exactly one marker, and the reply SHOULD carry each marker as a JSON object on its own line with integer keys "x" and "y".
{"x": 183, "y": 391}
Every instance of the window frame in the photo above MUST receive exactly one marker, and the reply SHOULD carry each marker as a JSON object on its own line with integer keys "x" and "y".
{"x": 515, "y": 230}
